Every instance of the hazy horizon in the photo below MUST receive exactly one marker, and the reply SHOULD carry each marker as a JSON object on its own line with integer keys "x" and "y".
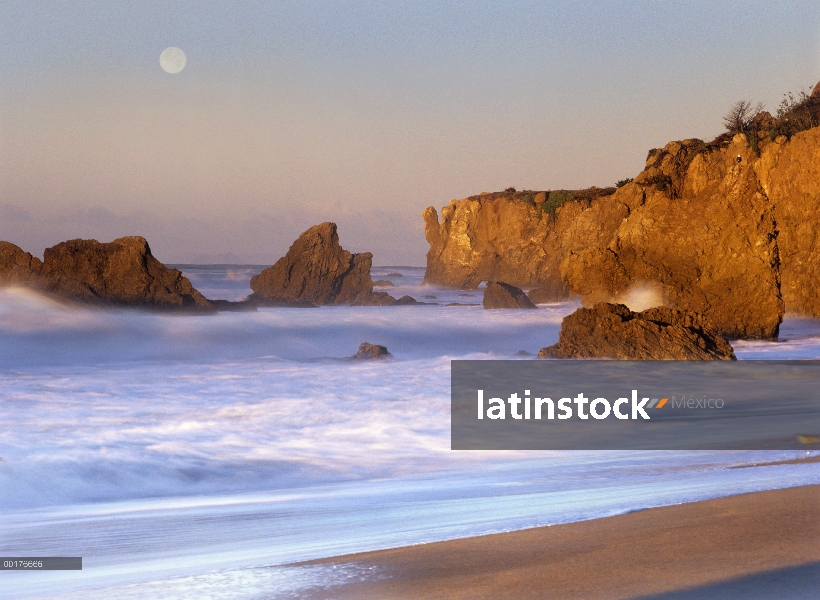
{"x": 355, "y": 112}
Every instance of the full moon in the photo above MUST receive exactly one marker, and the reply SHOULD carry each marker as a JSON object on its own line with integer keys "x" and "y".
{"x": 172, "y": 60}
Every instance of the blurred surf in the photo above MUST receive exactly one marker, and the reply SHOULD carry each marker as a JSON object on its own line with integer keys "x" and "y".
{"x": 196, "y": 450}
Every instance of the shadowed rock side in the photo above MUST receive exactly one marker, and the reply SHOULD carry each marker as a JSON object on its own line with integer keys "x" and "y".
{"x": 555, "y": 291}
{"x": 613, "y": 331}
{"x": 18, "y": 267}
{"x": 315, "y": 269}
{"x": 122, "y": 272}
{"x": 503, "y": 295}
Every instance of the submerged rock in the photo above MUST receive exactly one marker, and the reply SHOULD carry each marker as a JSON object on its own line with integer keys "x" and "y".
{"x": 367, "y": 350}
{"x": 382, "y": 299}
{"x": 503, "y": 295}
{"x": 383, "y": 283}
{"x": 614, "y": 331}
{"x": 374, "y": 299}
{"x": 316, "y": 269}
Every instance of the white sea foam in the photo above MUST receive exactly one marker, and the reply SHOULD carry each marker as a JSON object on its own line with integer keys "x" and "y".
{"x": 643, "y": 295}
{"x": 186, "y": 453}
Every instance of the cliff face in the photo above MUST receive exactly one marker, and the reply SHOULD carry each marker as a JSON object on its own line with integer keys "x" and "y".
{"x": 789, "y": 173}
{"x": 702, "y": 234}
{"x": 510, "y": 237}
{"x": 727, "y": 230}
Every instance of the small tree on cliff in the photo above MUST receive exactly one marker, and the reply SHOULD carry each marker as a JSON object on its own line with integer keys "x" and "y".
{"x": 741, "y": 115}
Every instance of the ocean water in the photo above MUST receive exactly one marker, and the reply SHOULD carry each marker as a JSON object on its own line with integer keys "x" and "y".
{"x": 198, "y": 456}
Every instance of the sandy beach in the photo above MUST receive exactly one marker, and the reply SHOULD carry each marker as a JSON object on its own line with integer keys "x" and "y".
{"x": 759, "y": 545}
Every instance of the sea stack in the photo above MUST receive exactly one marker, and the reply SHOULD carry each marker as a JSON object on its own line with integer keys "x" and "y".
{"x": 316, "y": 269}
{"x": 122, "y": 272}
{"x": 119, "y": 273}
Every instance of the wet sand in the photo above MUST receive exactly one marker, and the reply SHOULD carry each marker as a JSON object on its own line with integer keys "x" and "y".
{"x": 762, "y": 545}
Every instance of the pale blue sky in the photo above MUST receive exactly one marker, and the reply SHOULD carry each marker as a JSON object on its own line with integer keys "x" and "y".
{"x": 292, "y": 113}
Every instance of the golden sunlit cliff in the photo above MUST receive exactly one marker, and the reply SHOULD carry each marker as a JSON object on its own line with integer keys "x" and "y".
{"x": 727, "y": 229}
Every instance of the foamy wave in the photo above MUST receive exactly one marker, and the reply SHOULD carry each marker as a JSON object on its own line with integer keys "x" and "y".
{"x": 23, "y": 310}
{"x": 175, "y": 452}
{"x": 641, "y": 296}
{"x": 35, "y": 331}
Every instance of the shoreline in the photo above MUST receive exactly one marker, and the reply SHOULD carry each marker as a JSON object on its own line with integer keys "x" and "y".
{"x": 755, "y": 545}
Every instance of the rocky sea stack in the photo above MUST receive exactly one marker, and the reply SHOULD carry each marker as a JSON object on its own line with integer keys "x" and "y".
{"x": 614, "y": 331}
{"x": 118, "y": 273}
{"x": 316, "y": 269}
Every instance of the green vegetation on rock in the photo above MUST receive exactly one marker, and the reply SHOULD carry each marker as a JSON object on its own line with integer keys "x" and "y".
{"x": 554, "y": 201}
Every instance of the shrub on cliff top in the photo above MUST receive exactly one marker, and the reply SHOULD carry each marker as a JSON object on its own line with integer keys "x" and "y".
{"x": 796, "y": 113}
{"x": 554, "y": 201}
{"x": 791, "y": 103}
{"x": 741, "y": 115}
